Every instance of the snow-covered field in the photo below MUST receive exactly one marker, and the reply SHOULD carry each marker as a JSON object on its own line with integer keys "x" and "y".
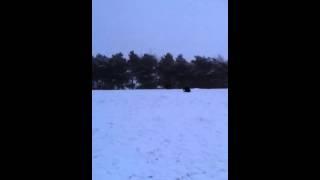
{"x": 160, "y": 135}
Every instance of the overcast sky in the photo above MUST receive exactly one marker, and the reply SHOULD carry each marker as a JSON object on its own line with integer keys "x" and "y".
{"x": 189, "y": 27}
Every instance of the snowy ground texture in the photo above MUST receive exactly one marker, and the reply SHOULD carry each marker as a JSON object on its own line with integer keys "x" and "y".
{"x": 160, "y": 135}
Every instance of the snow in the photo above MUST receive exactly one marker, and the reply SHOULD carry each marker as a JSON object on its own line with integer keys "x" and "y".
{"x": 160, "y": 134}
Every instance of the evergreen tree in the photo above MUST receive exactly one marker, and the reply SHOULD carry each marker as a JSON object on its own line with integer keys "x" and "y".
{"x": 146, "y": 72}
{"x": 166, "y": 71}
{"x": 182, "y": 71}
{"x": 133, "y": 64}
{"x": 117, "y": 69}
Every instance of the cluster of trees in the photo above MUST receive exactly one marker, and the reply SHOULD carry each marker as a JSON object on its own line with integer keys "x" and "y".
{"x": 148, "y": 72}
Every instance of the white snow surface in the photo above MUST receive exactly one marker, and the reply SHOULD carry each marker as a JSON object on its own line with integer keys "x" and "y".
{"x": 160, "y": 134}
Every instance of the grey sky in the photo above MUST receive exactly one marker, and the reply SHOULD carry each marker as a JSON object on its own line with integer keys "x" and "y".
{"x": 189, "y": 27}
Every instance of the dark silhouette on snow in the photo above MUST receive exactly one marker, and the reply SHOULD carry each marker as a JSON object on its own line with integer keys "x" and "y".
{"x": 186, "y": 89}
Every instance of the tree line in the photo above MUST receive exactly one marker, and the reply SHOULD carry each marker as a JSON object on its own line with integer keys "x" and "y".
{"x": 148, "y": 72}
